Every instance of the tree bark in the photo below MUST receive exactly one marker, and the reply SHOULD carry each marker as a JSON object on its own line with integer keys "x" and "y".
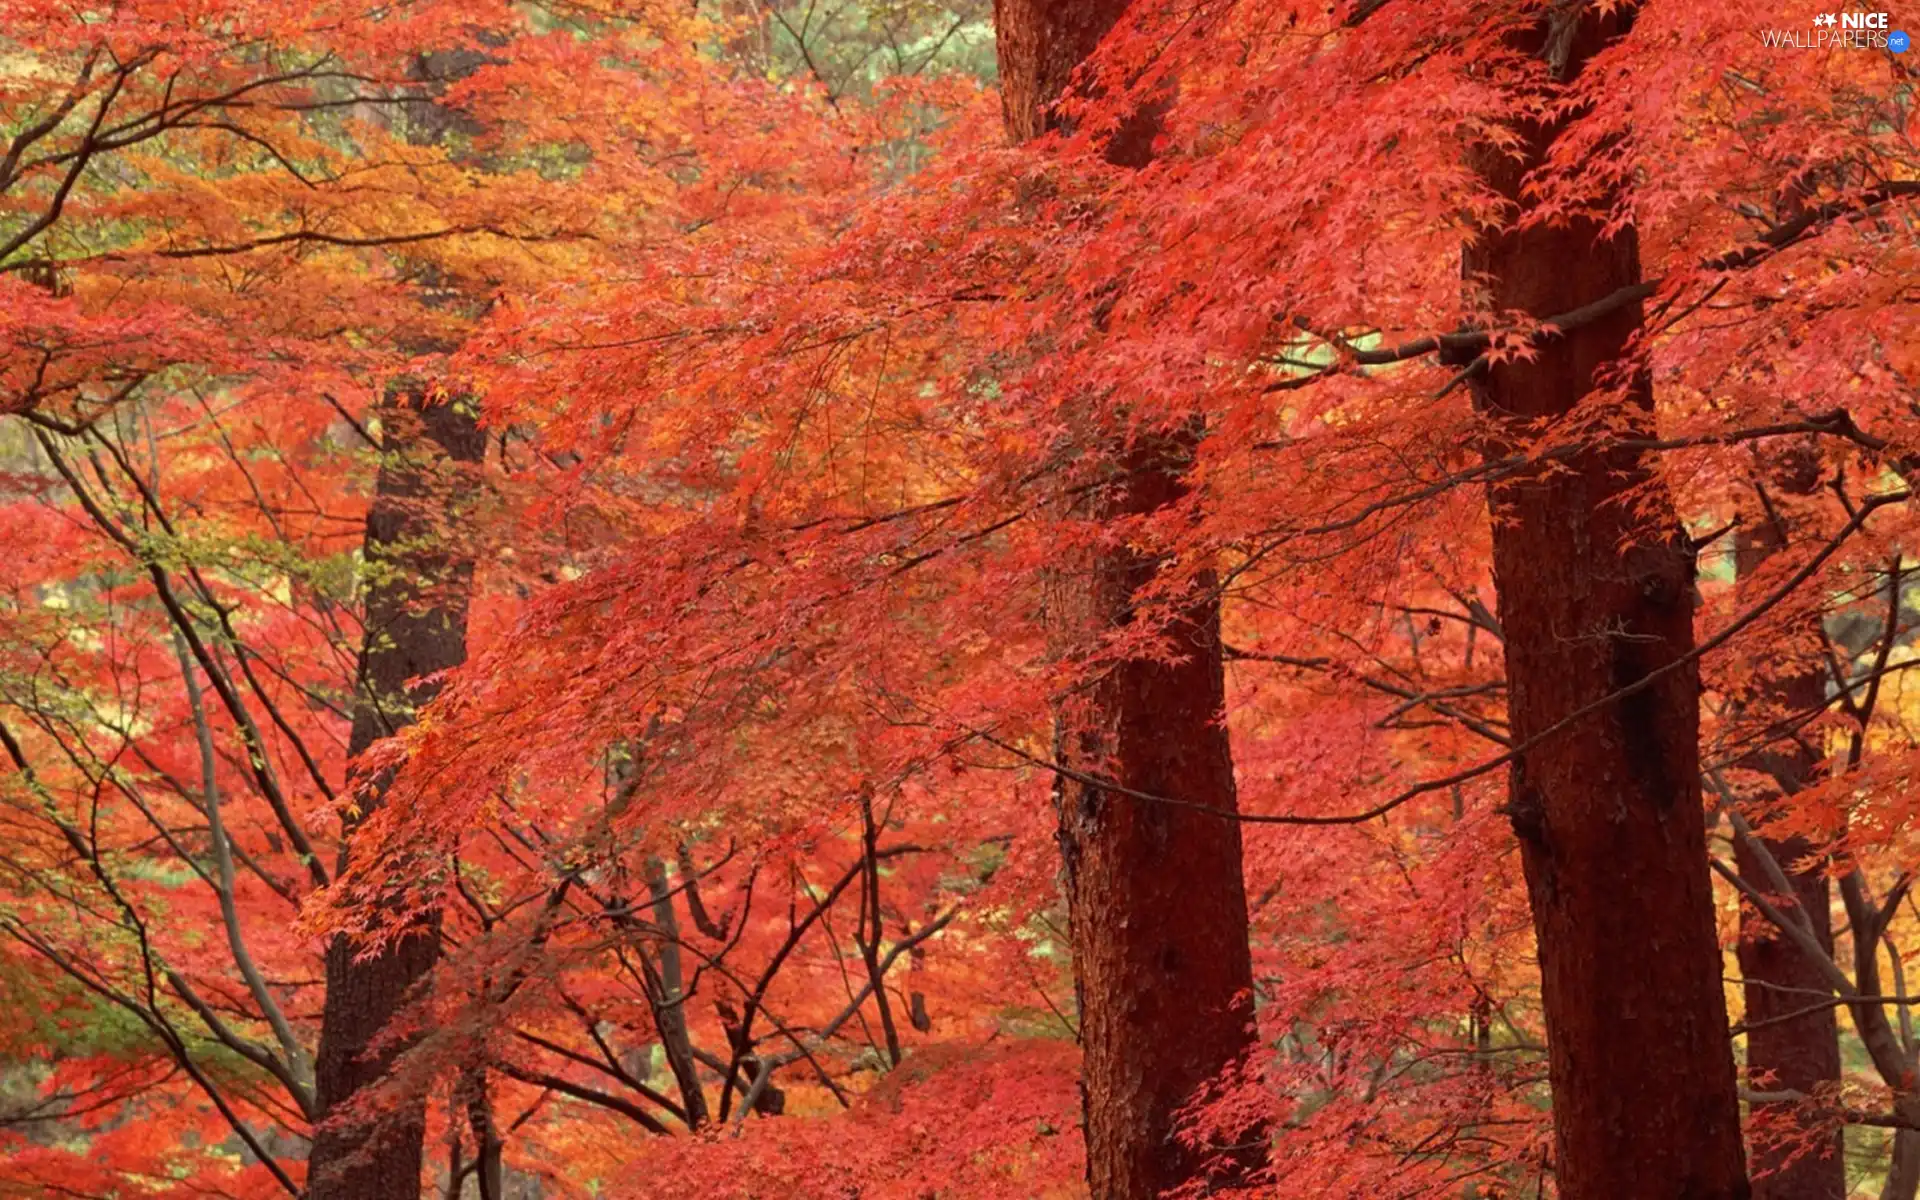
{"x": 1786, "y": 1051}
{"x": 1156, "y": 903}
{"x": 1903, "y": 1167}
{"x": 667, "y": 997}
{"x": 1893, "y": 1056}
{"x": 1789, "y": 1047}
{"x": 489, "y": 1168}
{"x": 1595, "y": 580}
{"x": 1039, "y": 44}
{"x": 416, "y": 624}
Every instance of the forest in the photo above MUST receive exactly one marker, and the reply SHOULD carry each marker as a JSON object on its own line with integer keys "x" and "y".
{"x": 958, "y": 600}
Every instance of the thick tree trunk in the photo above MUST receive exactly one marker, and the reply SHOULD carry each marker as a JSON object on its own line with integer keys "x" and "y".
{"x": 1788, "y": 1046}
{"x": 1040, "y": 43}
{"x": 1157, "y": 907}
{"x": 1596, "y": 594}
{"x": 416, "y": 623}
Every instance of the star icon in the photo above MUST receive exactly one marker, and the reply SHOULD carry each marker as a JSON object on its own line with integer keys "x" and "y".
{"x": 1828, "y": 19}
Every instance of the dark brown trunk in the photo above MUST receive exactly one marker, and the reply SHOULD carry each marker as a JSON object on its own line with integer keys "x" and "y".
{"x": 1156, "y": 904}
{"x": 416, "y": 623}
{"x": 1040, "y": 43}
{"x": 1596, "y": 594}
{"x": 489, "y": 1168}
{"x": 1903, "y": 1167}
{"x": 1793, "y": 1043}
{"x": 1157, "y": 908}
{"x": 667, "y": 996}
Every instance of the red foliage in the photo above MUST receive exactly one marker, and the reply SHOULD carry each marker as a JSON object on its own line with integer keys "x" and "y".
{"x": 759, "y": 699}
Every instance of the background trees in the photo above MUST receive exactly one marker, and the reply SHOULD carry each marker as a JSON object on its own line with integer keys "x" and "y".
{"x": 803, "y": 386}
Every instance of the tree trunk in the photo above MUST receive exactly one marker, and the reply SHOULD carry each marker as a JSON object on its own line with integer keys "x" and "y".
{"x": 667, "y": 997}
{"x": 1596, "y": 594}
{"x": 1157, "y": 907}
{"x": 1903, "y": 1168}
{"x": 416, "y": 625}
{"x": 1787, "y": 1051}
{"x": 1802, "y": 1053}
{"x": 489, "y": 1169}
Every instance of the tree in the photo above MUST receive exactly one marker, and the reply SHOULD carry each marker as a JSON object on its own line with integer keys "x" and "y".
{"x": 1789, "y": 1048}
{"x": 1156, "y": 904}
{"x": 1595, "y": 580}
{"x": 415, "y": 631}
{"x": 880, "y": 468}
{"x": 152, "y": 336}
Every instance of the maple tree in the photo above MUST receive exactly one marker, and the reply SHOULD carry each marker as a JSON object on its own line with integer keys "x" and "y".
{"x": 881, "y": 598}
{"x": 1157, "y": 909}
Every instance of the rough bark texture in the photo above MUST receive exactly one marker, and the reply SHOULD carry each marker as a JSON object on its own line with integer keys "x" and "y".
{"x": 1789, "y": 1047}
{"x": 416, "y": 624}
{"x": 1595, "y": 595}
{"x": 1157, "y": 907}
{"x": 1040, "y": 43}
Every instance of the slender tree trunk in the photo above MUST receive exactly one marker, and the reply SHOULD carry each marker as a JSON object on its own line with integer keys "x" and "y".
{"x": 1157, "y": 907}
{"x": 1596, "y": 594}
{"x": 416, "y": 625}
{"x": 1787, "y": 1051}
{"x": 1903, "y": 1169}
{"x": 1893, "y": 1056}
{"x": 667, "y": 997}
{"x": 489, "y": 1168}
{"x": 1788, "y": 1046}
